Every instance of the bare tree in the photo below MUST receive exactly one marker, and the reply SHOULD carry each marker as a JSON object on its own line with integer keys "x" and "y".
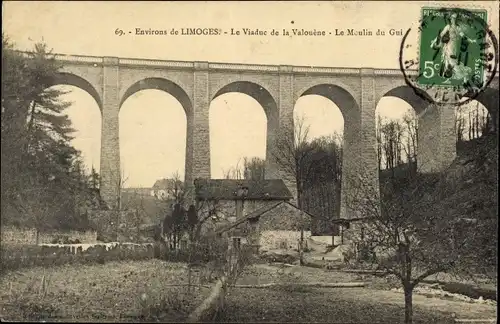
{"x": 322, "y": 186}
{"x": 254, "y": 168}
{"x": 379, "y": 141}
{"x": 460, "y": 125}
{"x": 409, "y": 233}
{"x": 290, "y": 156}
{"x": 176, "y": 189}
{"x": 234, "y": 172}
{"x": 396, "y": 142}
{"x": 411, "y": 129}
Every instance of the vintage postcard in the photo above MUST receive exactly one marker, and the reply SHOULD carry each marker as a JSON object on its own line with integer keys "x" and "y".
{"x": 237, "y": 161}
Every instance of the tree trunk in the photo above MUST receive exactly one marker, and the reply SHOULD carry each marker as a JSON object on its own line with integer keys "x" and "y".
{"x": 190, "y": 261}
{"x": 299, "y": 203}
{"x": 301, "y": 245}
{"x": 408, "y": 290}
{"x": 37, "y": 236}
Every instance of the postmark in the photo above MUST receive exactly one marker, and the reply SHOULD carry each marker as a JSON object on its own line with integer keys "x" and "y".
{"x": 450, "y": 57}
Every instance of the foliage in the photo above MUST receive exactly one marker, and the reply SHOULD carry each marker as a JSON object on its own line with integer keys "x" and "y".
{"x": 18, "y": 257}
{"x": 42, "y": 174}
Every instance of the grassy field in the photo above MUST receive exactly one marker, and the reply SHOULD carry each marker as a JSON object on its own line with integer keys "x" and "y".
{"x": 139, "y": 291}
{"x": 371, "y": 304}
{"x": 115, "y": 291}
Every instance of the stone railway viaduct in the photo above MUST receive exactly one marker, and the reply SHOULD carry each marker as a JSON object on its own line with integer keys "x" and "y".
{"x": 356, "y": 91}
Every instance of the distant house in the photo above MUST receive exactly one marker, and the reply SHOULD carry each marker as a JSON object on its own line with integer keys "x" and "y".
{"x": 166, "y": 188}
{"x": 253, "y": 212}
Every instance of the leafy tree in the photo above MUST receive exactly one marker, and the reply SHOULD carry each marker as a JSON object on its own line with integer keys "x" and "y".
{"x": 94, "y": 179}
{"x": 40, "y": 169}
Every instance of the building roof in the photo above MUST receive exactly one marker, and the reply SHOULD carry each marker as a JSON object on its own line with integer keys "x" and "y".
{"x": 257, "y": 213}
{"x": 226, "y": 189}
{"x": 254, "y": 214}
{"x": 346, "y": 221}
{"x": 296, "y": 207}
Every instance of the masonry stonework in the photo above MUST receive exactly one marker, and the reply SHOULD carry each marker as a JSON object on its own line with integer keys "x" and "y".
{"x": 355, "y": 91}
{"x": 110, "y": 144}
{"x": 436, "y": 136}
{"x": 19, "y": 236}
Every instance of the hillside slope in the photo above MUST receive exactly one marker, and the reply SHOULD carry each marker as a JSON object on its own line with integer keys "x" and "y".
{"x": 472, "y": 180}
{"x": 468, "y": 189}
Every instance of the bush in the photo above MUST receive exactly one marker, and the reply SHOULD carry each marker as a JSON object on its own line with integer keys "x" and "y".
{"x": 64, "y": 239}
{"x": 206, "y": 249}
{"x": 17, "y": 257}
{"x": 282, "y": 258}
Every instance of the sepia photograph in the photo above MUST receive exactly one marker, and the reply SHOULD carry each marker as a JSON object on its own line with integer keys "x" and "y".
{"x": 249, "y": 161}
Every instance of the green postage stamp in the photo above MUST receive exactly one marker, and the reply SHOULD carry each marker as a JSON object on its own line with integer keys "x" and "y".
{"x": 456, "y": 56}
{"x": 451, "y": 47}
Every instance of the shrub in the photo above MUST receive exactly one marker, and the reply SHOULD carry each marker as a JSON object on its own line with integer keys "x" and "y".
{"x": 64, "y": 239}
{"x": 16, "y": 257}
{"x": 205, "y": 250}
{"x": 282, "y": 258}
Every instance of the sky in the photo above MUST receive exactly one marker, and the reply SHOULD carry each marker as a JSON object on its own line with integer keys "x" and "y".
{"x": 153, "y": 123}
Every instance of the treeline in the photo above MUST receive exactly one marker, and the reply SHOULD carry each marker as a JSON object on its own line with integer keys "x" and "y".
{"x": 44, "y": 182}
{"x": 316, "y": 165}
{"x": 397, "y": 139}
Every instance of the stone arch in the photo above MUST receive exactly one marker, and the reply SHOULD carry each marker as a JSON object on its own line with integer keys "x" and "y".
{"x": 344, "y": 86}
{"x": 341, "y": 97}
{"x": 64, "y": 78}
{"x": 417, "y": 106}
{"x": 406, "y": 93}
{"x": 176, "y": 91}
{"x": 256, "y": 91}
{"x": 262, "y": 96}
{"x": 350, "y": 111}
{"x": 161, "y": 84}
{"x": 266, "y": 100}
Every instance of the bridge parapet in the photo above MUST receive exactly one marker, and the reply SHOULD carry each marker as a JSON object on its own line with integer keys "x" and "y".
{"x": 85, "y": 59}
{"x": 156, "y": 63}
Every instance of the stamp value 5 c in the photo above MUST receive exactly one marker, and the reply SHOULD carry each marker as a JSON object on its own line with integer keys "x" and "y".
{"x": 452, "y": 47}
{"x": 456, "y": 55}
